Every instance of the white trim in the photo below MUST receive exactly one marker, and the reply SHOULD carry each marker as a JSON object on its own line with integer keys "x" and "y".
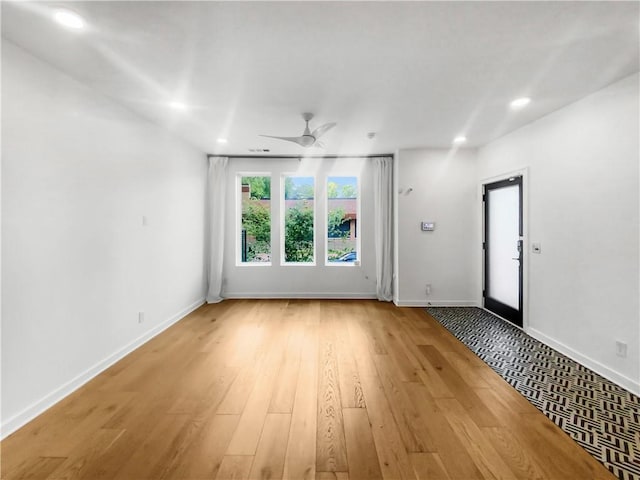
{"x": 305, "y": 295}
{"x": 32, "y": 411}
{"x": 437, "y": 303}
{"x": 283, "y": 217}
{"x": 608, "y": 373}
{"x": 326, "y": 198}
{"x": 238, "y": 215}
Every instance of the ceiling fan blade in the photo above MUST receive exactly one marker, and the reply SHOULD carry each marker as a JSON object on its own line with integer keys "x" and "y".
{"x": 318, "y": 144}
{"x": 322, "y": 129}
{"x": 297, "y": 140}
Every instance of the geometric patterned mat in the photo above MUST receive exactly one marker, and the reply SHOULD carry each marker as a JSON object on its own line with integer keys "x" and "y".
{"x": 599, "y": 415}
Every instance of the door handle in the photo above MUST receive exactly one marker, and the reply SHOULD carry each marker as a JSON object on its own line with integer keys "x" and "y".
{"x": 519, "y": 247}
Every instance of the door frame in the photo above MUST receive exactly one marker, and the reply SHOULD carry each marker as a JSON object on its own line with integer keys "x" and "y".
{"x": 524, "y": 173}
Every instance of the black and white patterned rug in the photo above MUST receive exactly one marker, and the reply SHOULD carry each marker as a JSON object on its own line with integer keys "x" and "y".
{"x": 599, "y": 415}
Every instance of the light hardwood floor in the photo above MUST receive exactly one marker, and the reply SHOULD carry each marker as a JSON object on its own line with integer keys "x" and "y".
{"x": 300, "y": 389}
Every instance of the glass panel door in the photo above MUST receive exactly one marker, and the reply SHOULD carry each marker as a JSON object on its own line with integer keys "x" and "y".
{"x": 503, "y": 249}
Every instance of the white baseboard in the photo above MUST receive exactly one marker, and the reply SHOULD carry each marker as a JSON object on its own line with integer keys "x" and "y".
{"x": 435, "y": 303}
{"x": 32, "y": 411}
{"x": 594, "y": 365}
{"x": 306, "y": 295}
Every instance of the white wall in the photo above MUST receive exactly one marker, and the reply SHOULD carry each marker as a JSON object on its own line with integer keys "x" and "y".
{"x": 583, "y": 209}
{"x": 320, "y": 280}
{"x": 443, "y": 190}
{"x": 79, "y": 173}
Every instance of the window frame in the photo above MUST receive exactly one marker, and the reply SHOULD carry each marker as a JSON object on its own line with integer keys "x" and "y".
{"x": 358, "y": 261}
{"x": 283, "y": 219}
{"x": 238, "y": 229}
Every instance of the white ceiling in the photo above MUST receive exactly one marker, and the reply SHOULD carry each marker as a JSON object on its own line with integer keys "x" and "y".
{"x": 417, "y": 73}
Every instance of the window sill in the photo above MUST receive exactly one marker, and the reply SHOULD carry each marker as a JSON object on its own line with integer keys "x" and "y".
{"x": 253, "y": 264}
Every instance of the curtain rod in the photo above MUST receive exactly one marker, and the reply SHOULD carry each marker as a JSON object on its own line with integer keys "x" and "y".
{"x": 303, "y": 156}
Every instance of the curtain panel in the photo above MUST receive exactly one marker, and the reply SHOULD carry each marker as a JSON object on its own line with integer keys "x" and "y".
{"x": 383, "y": 231}
{"x": 216, "y": 198}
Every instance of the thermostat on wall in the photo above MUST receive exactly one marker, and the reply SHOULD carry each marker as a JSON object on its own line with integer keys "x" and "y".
{"x": 428, "y": 226}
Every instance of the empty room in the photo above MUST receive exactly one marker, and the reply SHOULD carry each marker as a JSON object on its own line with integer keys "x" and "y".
{"x": 315, "y": 240}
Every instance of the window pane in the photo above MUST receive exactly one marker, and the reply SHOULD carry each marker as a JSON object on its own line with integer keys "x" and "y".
{"x": 299, "y": 219}
{"x": 342, "y": 220}
{"x": 255, "y": 236}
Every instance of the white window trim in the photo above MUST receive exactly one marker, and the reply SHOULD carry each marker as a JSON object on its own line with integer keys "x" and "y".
{"x": 238, "y": 229}
{"x": 358, "y": 261}
{"x": 283, "y": 215}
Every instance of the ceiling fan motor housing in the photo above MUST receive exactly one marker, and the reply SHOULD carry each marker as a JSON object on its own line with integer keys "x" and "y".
{"x": 307, "y": 140}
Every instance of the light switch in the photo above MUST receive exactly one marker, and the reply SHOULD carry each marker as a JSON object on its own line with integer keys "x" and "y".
{"x": 428, "y": 226}
{"x": 536, "y": 248}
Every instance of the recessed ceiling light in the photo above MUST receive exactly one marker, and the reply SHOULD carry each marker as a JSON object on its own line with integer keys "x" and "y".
{"x": 459, "y": 139}
{"x": 178, "y": 105}
{"x": 520, "y": 102}
{"x": 222, "y": 140}
{"x": 69, "y": 19}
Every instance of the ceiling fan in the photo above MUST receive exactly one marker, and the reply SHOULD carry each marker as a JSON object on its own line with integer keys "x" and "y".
{"x": 308, "y": 138}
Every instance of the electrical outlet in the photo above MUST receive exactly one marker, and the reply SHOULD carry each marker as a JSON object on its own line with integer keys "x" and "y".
{"x": 140, "y": 317}
{"x": 621, "y": 349}
{"x": 428, "y": 289}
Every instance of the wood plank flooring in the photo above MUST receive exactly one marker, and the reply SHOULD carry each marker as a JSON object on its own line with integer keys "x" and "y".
{"x": 297, "y": 389}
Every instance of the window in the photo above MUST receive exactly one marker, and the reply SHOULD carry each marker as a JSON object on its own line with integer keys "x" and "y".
{"x": 342, "y": 220}
{"x": 255, "y": 228}
{"x": 297, "y": 206}
{"x": 299, "y": 220}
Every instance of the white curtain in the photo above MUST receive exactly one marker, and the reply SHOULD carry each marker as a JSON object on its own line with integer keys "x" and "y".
{"x": 383, "y": 198}
{"x": 216, "y": 197}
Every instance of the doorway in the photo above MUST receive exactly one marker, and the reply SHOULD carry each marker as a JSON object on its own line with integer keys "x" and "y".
{"x": 503, "y": 248}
